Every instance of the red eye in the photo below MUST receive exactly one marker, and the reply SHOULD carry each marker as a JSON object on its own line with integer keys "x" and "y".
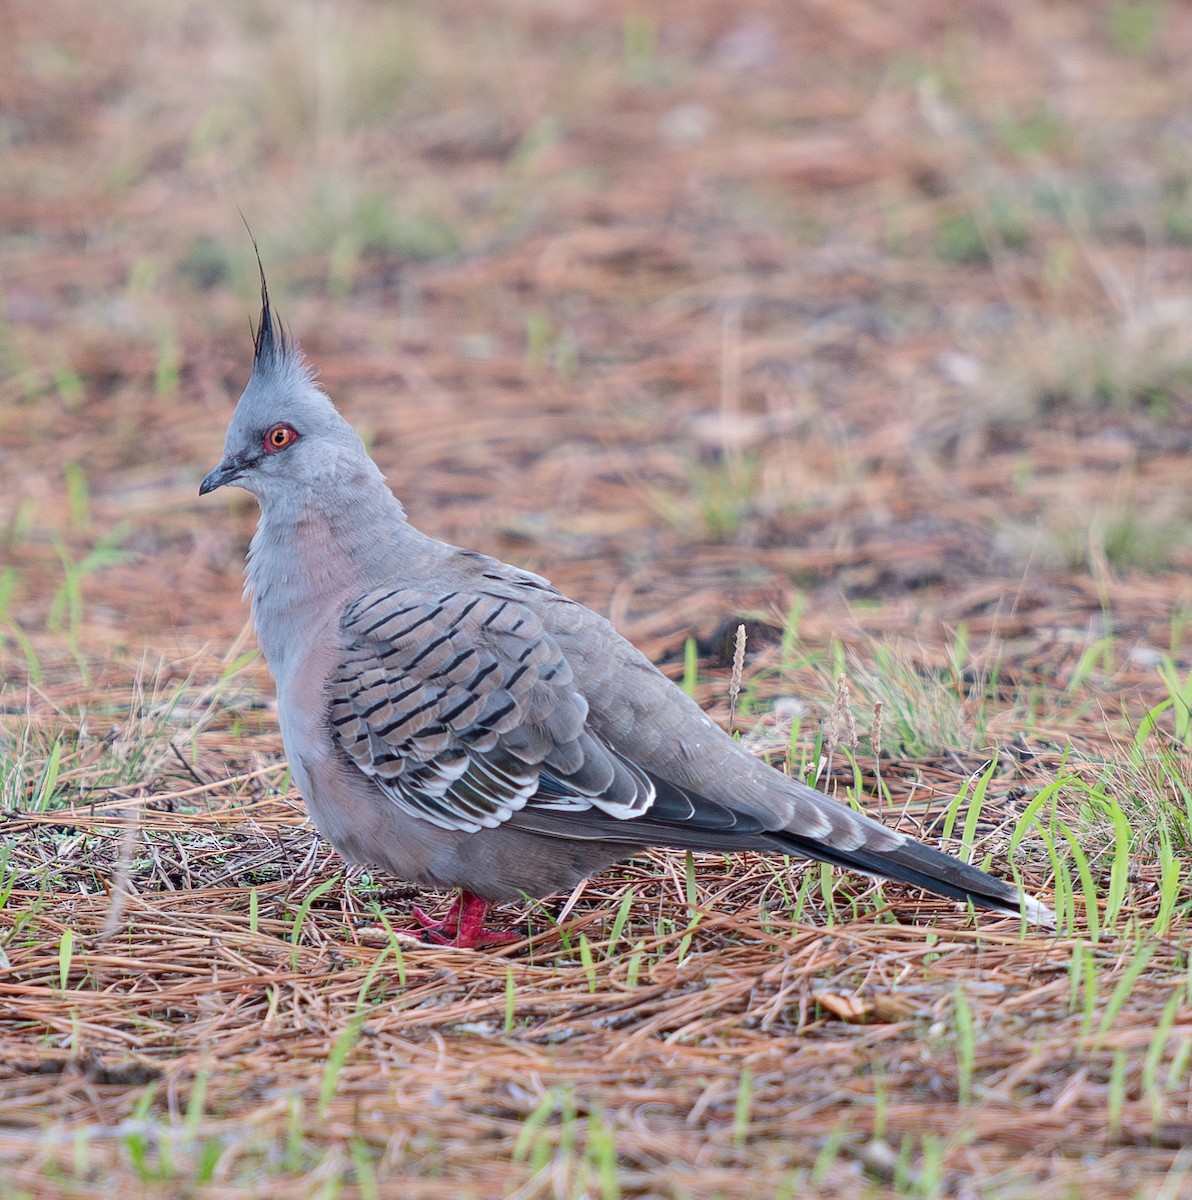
{"x": 279, "y": 437}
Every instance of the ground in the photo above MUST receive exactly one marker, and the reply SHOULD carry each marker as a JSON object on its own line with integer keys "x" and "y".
{"x": 863, "y": 325}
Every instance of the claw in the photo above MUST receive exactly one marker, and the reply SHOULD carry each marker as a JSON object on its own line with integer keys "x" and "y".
{"x": 462, "y": 925}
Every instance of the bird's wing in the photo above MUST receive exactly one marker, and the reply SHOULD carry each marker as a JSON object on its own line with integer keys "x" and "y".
{"x": 464, "y": 710}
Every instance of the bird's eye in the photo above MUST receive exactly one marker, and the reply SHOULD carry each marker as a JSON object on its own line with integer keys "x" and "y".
{"x": 279, "y": 437}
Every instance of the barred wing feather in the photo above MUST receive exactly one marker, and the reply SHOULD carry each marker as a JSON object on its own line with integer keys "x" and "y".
{"x": 463, "y": 709}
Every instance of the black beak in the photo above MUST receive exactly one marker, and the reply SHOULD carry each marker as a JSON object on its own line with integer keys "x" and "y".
{"x": 228, "y": 471}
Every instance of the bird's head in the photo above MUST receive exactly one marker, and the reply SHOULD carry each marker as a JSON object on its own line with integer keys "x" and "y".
{"x": 286, "y": 441}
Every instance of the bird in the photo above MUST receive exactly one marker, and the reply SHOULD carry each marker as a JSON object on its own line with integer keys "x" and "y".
{"x": 460, "y": 723}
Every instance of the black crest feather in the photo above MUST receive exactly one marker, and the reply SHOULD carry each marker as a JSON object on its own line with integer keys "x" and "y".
{"x": 270, "y": 342}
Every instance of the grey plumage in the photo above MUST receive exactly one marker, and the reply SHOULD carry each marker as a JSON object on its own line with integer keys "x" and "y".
{"x": 459, "y": 722}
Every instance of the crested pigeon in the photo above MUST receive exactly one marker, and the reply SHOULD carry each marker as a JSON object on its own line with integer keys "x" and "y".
{"x": 458, "y": 722}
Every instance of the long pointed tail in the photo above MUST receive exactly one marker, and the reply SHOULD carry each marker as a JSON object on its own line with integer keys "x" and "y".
{"x": 920, "y": 865}
{"x": 820, "y": 827}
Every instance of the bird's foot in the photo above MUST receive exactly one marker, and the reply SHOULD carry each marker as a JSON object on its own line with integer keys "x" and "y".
{"x": 463, "y": 925}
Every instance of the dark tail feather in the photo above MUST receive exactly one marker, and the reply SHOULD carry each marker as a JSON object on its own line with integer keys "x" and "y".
{"x": 923, "y": 866}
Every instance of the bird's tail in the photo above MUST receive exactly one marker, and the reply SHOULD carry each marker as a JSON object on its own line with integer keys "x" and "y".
{"x": 817, "y": 827}
{"x": 923, "y": 866}
{"x": 822, "y": 828}
{"x": 825, "y": 829}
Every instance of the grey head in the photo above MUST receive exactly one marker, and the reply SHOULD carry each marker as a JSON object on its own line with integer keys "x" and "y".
{"x": 286, "y": 442}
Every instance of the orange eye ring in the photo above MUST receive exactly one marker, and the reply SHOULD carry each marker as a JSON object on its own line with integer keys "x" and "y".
{"x": 279, "y": 438}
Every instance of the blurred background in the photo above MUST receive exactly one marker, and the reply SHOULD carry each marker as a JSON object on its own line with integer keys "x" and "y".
{"x": 700, "y": 309}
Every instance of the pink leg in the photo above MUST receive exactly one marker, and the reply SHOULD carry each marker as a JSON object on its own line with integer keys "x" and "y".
{"x": 463, "y": 925}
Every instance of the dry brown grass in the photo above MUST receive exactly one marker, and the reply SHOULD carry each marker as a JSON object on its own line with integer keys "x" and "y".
{"x": 210, "y": 1029}
{"x": 708, "y": 312}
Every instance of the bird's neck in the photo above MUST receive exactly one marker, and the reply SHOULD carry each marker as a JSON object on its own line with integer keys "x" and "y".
{"x": 307, "y": 561}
